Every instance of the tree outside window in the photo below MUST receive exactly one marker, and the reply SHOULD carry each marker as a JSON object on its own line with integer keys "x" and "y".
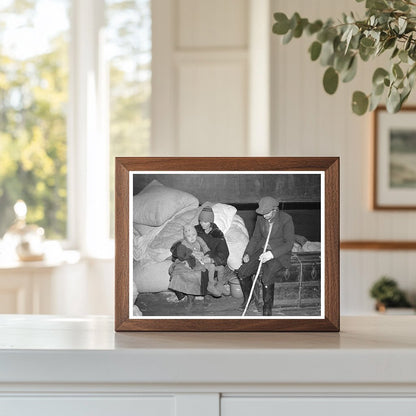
{"x": 34, "y": 93}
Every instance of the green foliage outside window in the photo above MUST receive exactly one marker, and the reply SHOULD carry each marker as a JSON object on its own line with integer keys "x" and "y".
{"x": 33, "y": 97}
{"x": 129, "y": 40}
{"x": 34, "y": 103}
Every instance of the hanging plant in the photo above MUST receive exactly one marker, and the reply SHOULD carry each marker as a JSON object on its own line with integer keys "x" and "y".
{"x": 388, "y": 27}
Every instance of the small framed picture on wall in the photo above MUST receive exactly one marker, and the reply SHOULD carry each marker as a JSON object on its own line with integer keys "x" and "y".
{"x": 394, "y": 177}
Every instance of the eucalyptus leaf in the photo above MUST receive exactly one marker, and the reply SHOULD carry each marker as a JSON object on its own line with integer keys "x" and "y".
{"x": 314, "y": 27}
{"x": 397, "y": 71}
{"x": 359, "y": 103}
{"x": 400, "y": 5}
{"x": 315, "y": 50}
{"x": 378, "y": 89}
{"x": 298, "y": 30}
{"x": 393, "y": 101}
{"x": 353, "y": 31}
{"x": 412, "y": 70}
{"x": 399, "y": 85}
{"x": 350, "y": 73}
{"x": 411, "y": 78}
{"x": 330, "y": 80}
{"x": 367, "y": 42}
{"x": 374, "y": 102}
{"x": 404, "y": 96}
{"x": 376, "y": 4}
{"x": 322, "y": 36}
{"x": 350, "y": 18}
{"x": 403, "y": 56}
{"x": 327, "y": 53}
{"x": 395, "y": 52}
{"x": 402, "y": 22}
{"x": 412, "y": 52}
{"x": 341, "y": 62}
{"x": 389, "y": 43}
{"x": 347, "y": 33}
{"x": 366, "y": 53}
{"x": 294, "y": 21}
{"x": 379, "y": 75}
{"x": 376, "y": 36}
{"x": 408, "y": 42}
{"x": 288, "y": 37}
{"x": 281, "y": 26}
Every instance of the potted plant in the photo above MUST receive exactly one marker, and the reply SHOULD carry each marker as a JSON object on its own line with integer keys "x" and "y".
{"x": 387, "y": 294}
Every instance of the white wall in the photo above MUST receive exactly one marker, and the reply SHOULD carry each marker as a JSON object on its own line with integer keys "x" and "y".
{"x": 200, "y": 77}
{"x": 202, "y": 105}
{"x": 308, "y": 122}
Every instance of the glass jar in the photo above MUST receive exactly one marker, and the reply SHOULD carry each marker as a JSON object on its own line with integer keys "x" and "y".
{"x": 23, "y": 240}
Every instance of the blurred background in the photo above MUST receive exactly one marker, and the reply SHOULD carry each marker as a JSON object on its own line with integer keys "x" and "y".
{"x": 83, "y": 81}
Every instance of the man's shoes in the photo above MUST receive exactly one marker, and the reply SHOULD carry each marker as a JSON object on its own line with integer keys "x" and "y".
{"x": 246, "y": 289}
{"x": 268, "y": 299}
{"x": 257, "y": 292}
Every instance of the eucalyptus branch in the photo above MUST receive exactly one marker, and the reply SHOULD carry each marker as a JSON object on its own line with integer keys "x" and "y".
{"x": 388, "y": 25}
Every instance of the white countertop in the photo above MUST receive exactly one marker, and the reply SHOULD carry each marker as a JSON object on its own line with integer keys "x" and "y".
{"x": 52, "y": 349}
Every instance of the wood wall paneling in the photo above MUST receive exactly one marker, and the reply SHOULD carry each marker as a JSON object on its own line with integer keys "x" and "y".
{"x": 212, "y": 108}
{"x": 306, "y": 121}
{"x": 212, "y": 24}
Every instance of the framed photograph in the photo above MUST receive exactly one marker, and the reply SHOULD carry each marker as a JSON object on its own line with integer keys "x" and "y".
{"x": 394, "y": 180}
{"x": 227, "y": 244}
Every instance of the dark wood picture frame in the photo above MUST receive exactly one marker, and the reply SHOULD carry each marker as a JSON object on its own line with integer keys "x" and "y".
{"x": 377, "y": 148}
{"x": 328, "y": 165}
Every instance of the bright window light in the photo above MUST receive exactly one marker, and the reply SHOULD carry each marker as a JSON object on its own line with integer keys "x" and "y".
{"x": 129, "y": 54}
{"x": 33, "y": 102}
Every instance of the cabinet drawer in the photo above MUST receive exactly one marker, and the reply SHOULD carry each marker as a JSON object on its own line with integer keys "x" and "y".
{"x": 271, "y": 406}
{"x": 87, "y": 406}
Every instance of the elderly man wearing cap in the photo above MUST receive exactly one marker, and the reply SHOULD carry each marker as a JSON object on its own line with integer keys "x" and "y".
{"x": 277, "y": 254}
{"x": 218, "y": 249}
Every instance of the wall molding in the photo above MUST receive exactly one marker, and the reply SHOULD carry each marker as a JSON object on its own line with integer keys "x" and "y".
{"x": 377, "y": 245}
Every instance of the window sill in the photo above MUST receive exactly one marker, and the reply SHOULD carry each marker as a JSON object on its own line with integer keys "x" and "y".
{"x": 50, "y": 261}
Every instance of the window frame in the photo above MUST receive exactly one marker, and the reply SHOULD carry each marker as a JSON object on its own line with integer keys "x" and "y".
{"x": 88, "y": 133}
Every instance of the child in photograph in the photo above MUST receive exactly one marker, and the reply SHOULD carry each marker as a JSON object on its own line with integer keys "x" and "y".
{"x": 200, "y": 252}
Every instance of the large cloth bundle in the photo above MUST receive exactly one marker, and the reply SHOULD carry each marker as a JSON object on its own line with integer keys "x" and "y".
{"x": 155, "y": 235}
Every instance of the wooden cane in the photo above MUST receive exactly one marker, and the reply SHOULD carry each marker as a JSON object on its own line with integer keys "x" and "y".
{"x": 258, "y": 270}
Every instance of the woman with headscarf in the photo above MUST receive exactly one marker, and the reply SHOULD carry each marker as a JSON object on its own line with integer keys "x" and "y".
{"x": 215, "y": 240}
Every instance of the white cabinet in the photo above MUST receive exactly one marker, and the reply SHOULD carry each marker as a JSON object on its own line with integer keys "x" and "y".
{"x": 79, "y": 366}
{"x": 66, "y": 286}
{"x": 88, "y": 406}
{"x": 323, "y": 406}
{"x": 26, "y": 290}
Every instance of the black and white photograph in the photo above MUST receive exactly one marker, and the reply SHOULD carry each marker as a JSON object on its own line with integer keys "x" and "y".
{"x": 226, "y": 244}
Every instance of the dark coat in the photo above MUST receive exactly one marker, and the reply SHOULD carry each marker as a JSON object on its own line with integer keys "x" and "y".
{"x": 183, "y": 253}
{"x": 281, "y": 239}
{"x": 215, "y": 240}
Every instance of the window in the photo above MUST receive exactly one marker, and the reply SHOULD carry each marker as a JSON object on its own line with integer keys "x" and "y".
{"x": 75, "y": 87}
{"x": 129, "y": 46}
{"x": 33, "y": 98}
